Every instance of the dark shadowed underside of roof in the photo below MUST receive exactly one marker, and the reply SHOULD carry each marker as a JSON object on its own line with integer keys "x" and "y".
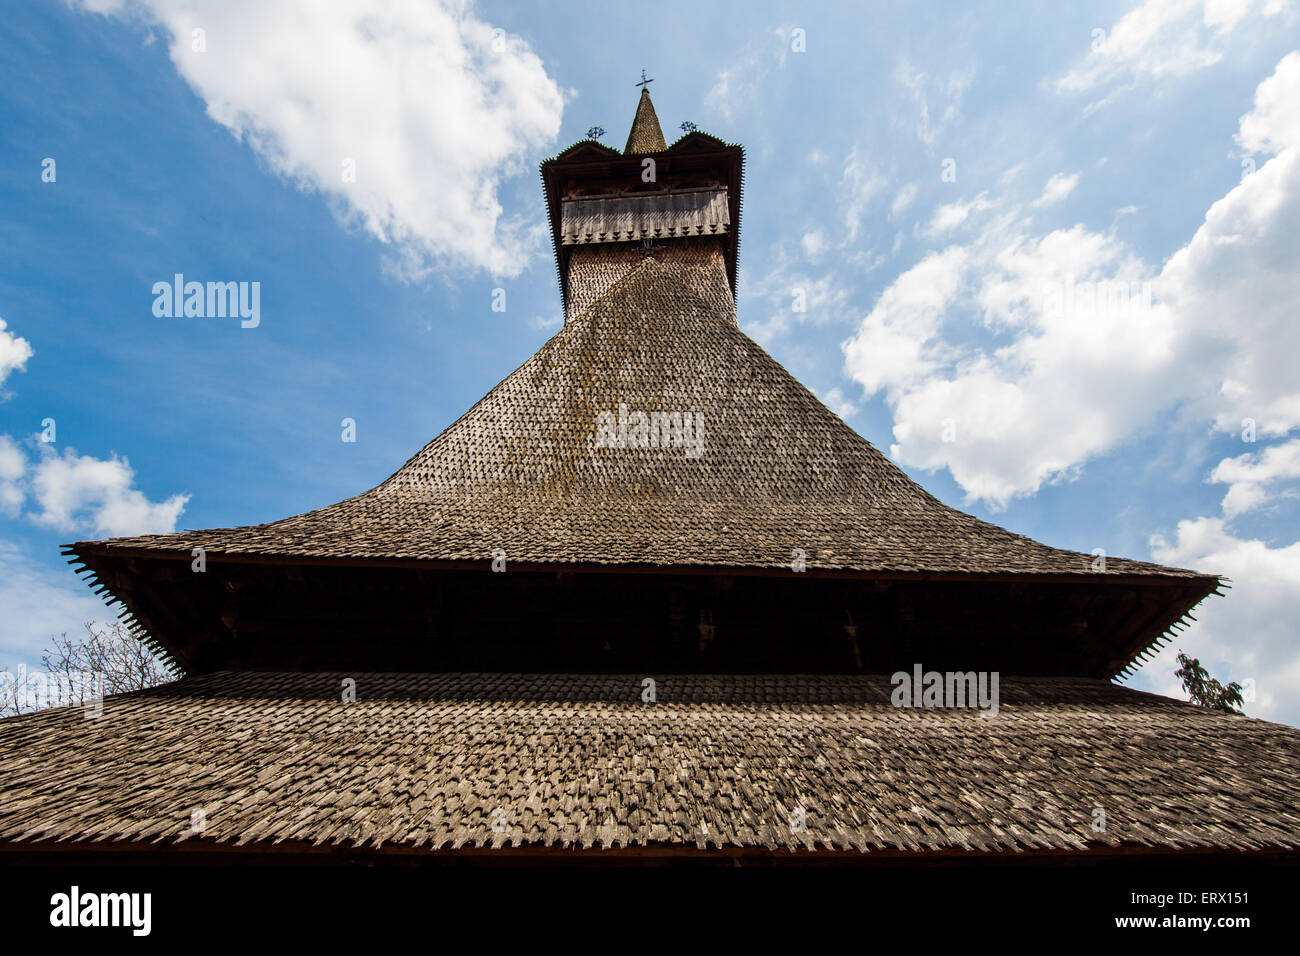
{"x": 430, "y": 762}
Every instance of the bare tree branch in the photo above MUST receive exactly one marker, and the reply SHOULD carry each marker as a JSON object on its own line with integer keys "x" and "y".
{"x": 109, "y": 659}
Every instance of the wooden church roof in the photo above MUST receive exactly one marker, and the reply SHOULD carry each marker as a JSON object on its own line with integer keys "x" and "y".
{"x": 523, "y": 469}
{"x": 777, "y": 476}
{"x": 770, "y": 765}
{"x": 423, "y": 765}
{"x": 759, "y": 476}
{"x": 646, "y": 136}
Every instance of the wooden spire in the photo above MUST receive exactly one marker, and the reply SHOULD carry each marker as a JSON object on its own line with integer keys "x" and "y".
{"x": 646, "y": 135}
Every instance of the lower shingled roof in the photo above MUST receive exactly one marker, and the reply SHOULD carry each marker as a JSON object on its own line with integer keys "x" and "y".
{"x": 438, "y": 762}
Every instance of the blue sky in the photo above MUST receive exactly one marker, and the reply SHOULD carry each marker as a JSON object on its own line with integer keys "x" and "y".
{"x": 1150, "y": 144}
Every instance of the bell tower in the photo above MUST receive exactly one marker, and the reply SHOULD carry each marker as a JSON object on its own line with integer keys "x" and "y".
{"x": 679, "y": 204}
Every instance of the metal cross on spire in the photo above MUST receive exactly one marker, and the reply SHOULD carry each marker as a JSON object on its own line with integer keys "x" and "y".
{"x": 644, "y": 82}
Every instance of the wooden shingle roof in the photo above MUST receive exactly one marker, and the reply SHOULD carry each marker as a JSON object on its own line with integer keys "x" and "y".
{"x": 769, "y": 479}
{"x": 432, "y": 763}
{"x": 646, "y": 136}
{"x": 523, "y": 470}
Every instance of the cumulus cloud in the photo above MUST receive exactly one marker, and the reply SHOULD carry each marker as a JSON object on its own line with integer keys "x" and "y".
{"x": 78, "y": 492}
{"x": 406, "y": 116}
{"x": 1274, "y": 122}
{"x": 14, "y": 352}
{"x": 1251, "y": 477}
{"x": 1237, "y": 279}
{"x": 1249, "y": 634}
{"x": 897, "y": 345}
{"x": 1044, "y": 352}
{"x": 1162, "y": 39}
{"x": 1024, "y": 409}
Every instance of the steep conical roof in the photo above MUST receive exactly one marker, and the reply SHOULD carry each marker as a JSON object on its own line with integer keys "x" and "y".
{"x": 646, "y": 136}
{"x": 524, "y": 469}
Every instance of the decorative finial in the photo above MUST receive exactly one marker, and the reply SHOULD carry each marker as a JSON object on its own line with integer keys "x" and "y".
{"x": 595, "y": 133}
{"x": 644, "y": 82}
{"x": 689, "y": 127}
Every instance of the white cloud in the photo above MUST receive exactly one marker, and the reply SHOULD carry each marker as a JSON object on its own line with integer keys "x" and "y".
{"x": 902, "y": 199}
{"x": 1027, "y": 408}
{"x": 936, "y": 98}
{"x": 1237, "y": 280}
{"x": 1274, "y": 122}
{"x": 735, "y": 86}
{"x": 1252, "y": 628}
{"x": 814, "y": 243}
{"x": 39, "y": 603}
{"x": 796, "y": 296}
{"x": 862, "y": 181}
{"x": 13, "y": 466}
{"x": 1037, "y": 385}
{"x": 836, "y": 402}
{"x": 895, "y": 346}
{"x": 433, "y": 106}
{"x": 1163, "y": 39}
{"x": 949, "y": 216}
{"x": 1057, "y": 188}
{"x": 14, "y": 352}
{"x": 77, "y": 492}
{"x": 1250, "y": 476}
